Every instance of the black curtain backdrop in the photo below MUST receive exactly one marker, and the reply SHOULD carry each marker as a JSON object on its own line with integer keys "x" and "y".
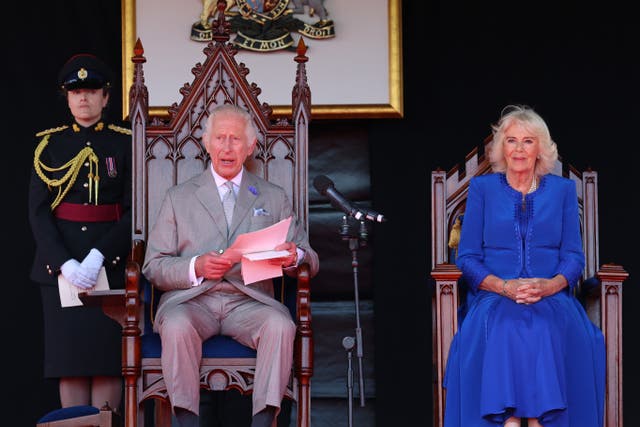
{"x": 576, "y": 63}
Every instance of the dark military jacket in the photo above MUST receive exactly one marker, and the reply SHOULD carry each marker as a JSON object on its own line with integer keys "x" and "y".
{"x": 80, "y": 165}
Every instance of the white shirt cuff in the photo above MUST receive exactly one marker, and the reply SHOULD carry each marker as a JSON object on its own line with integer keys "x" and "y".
{"x": 195, "y": 281}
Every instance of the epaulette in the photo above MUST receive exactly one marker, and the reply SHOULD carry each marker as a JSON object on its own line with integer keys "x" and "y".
{"x": 50, "y": 131}
{"x": 120, "y": 129}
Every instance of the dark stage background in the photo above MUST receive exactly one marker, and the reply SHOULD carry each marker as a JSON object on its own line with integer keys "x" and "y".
{"x": 576, "y": 63}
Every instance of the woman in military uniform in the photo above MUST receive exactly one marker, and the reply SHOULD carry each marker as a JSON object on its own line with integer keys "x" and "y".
{"x": 80, "y": 215}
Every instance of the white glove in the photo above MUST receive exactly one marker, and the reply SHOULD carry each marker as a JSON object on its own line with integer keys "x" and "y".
{"x": 91, "y": 264}
{"x": 71, "y": 270}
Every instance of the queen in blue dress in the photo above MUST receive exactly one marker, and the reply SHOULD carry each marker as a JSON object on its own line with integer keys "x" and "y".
{"x": 525, "y": 348}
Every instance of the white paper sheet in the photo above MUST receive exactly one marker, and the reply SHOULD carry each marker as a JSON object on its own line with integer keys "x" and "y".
{"x": 69, "y": 292}
{"x": 260, "y": 245}
{"x": 259, "y": 256}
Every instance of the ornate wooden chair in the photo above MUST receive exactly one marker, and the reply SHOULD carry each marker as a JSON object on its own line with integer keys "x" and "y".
{"x": 168, "y": 151}
{"x": 600, "y": 290}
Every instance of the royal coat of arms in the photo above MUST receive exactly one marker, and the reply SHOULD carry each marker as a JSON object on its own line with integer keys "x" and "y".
{"x": 266, "y": 26}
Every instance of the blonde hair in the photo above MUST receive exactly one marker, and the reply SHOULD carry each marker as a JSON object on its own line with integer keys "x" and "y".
{"x": 530, "y": 120}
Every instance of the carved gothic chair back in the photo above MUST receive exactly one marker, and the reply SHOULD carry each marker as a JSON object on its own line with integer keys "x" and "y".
{"x": 600, "y": 289}
{"x": 168, "y": 151}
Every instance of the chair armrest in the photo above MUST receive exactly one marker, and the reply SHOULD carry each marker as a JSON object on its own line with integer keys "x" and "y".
{"x": 611, "y": 277}
{"x": 612, "y": 274}
{"x": 133, "y": 302}
{"x": 303, "y": 346}
{"x": 303, "y": 349}
{"x": 444, "y": 312}
{"x": 303, "y": 294}
{"x": 131, "y": 340}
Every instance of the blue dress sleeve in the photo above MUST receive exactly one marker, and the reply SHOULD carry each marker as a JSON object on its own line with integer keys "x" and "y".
{"x": 470, "y": 252}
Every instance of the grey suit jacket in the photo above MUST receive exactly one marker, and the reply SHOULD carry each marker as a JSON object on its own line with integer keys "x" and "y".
{"x": 191, "y": 222}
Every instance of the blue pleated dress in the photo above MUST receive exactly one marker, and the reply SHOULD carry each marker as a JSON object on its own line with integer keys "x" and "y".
{"x": 544, "y": 360}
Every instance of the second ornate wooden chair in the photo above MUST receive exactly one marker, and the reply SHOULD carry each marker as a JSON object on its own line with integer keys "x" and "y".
{"x": 600, "y": 290}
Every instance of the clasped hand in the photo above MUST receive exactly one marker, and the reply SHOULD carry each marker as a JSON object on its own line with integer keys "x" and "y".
{"x": 83, "y": 275}
{"x": 527, "y": 291}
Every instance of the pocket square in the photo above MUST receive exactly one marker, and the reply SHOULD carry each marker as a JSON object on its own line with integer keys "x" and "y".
{"x": 260, "y": 212}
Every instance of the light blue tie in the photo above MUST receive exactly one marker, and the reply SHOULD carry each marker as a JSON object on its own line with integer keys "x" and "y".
{"x": 228, "y": 203}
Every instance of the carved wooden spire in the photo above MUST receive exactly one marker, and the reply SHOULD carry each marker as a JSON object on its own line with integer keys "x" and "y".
{"x": 301, "y": 94}
{"x": 219, "y": 26}
{"x": 138, "y": 93}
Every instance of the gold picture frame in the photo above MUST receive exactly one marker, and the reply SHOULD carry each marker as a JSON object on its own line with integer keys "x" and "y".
{"x": 392, "y": 108}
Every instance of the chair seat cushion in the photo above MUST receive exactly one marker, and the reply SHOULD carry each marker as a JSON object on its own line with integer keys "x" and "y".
{"x": 219, "y": 346}
{"x": 70, "y": 412}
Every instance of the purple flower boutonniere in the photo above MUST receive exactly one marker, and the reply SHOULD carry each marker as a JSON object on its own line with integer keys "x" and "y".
{"x": 253, "y": 190}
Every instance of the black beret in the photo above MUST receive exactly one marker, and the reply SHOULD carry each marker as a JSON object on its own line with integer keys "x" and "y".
{"x": 84, "y": 71}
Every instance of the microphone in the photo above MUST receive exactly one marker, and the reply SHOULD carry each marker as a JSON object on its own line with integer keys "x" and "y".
{"x": 326, "y": 187}
{"x": 374, "y": 216}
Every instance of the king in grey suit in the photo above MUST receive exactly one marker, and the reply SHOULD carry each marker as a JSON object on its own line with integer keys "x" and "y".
{"x": 205, "y": 295}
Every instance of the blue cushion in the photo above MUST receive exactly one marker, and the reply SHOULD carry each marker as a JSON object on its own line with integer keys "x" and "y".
{"x": 589, "y": 288}
{"x": 218, "y": 346}
{"x": 590, "y": 285}
{"x": 70, "y": 412}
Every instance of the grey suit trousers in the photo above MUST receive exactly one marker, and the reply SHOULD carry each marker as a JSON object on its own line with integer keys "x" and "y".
{"x": 228, "y": 312}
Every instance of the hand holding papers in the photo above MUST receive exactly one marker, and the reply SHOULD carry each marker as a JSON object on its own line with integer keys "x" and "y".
{"x": 69, "y": 292}
{"x": 257, "y": 248}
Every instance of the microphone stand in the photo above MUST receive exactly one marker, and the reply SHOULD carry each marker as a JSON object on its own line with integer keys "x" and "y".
{"x": 348, "y": 342}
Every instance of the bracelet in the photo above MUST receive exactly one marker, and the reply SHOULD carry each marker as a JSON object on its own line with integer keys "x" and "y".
{"x": 504, "y": 288}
